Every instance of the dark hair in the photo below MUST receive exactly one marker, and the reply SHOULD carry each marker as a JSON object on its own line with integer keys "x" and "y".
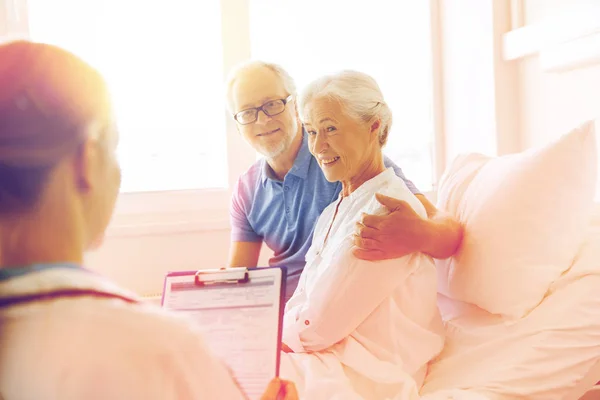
{"x": 48, "y": 97}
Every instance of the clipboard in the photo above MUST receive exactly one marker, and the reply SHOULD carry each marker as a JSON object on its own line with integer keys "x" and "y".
{"x": 239, "y": 312}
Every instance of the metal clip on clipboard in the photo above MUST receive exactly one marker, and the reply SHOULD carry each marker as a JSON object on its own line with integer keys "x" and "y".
{"x": 226, "y": 276}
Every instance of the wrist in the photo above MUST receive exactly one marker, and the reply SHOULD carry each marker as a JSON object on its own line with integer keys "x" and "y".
{"x": 441, "y": 236}
{"x": 428, "y": 232}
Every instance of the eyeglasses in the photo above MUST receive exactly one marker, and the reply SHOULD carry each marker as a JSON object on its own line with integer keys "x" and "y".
{"x": 270, "y": 108}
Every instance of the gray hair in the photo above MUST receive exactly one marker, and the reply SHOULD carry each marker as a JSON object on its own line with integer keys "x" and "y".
{"x": 286, "y": 79}
{"x": 358, "y": 93}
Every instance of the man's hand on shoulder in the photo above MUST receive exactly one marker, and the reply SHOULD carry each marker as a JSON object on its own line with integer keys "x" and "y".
{"x": 403, "y": 231}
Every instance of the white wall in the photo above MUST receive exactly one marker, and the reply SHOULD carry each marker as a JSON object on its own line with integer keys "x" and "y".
{"x": 139, "y": 261}
{"x": 554, "y": 102}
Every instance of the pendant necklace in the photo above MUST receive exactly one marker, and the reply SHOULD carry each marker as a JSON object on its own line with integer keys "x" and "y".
{"x": 322, "y": 247}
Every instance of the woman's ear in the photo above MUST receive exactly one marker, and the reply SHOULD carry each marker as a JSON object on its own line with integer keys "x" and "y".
{"x": 89, "y": 157}
{"x": 375, "y": 126}
{"x": 83, "y": 165}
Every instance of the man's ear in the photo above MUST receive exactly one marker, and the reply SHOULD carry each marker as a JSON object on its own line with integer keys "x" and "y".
{"x": 297, "y": 116}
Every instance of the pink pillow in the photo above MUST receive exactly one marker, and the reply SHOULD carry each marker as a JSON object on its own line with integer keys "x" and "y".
{"x": 525, "y": 217}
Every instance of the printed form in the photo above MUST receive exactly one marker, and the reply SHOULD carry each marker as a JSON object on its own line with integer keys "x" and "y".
{"x": 240, "y": 322}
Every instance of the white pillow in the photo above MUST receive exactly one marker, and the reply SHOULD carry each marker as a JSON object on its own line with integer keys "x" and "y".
{"x": 524, "y": 216}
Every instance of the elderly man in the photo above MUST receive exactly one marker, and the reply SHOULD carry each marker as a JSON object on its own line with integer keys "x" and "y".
{"x": 279, "y": 199}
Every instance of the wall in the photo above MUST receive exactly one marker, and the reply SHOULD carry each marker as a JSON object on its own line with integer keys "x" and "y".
{"x": 139, "y": 261}
{"x": 554, "y": 102}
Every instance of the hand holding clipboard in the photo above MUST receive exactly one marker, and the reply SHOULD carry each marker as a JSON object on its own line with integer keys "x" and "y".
{"x": 280, "y": 390}
{"x": 239, "y": 311}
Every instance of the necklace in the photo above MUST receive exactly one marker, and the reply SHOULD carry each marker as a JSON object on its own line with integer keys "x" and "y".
{"x": 322, "y": 247}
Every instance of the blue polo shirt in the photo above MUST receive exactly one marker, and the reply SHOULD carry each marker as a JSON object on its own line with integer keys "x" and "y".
{"x": 283, "y": 214}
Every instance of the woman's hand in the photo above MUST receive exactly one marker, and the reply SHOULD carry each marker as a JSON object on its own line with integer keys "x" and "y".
{"x": 279, "y": 389}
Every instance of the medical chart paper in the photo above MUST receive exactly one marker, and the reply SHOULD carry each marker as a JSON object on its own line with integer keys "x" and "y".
{"x": 240, "y": 322}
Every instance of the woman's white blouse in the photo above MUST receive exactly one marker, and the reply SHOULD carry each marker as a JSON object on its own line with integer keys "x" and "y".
{"x": 380, "y": 319}
{"x": 97, "y": 348}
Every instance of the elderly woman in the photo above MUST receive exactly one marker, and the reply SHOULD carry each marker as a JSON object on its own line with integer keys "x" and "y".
{"x": 354, "y": 327}
{"x": 68, "y": 333}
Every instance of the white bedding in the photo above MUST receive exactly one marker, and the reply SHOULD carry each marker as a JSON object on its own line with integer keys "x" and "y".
{"x": 541, "y": 356}
{"x": 522, "y": 318}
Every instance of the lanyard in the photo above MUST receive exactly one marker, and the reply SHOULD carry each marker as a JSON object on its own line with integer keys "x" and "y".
{"x": 8, "y": 273}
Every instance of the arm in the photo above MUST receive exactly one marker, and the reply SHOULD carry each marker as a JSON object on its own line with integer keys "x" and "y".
{"x": 344, "y": 295}
{"x": 443, "y": 234}
{"x": 403, "y": 232}
{"x": 244, "y": 254}
{"x": 244, "y": 250}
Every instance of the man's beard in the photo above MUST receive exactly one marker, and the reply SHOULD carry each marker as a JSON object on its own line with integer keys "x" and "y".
{"x": 275, "y": 150}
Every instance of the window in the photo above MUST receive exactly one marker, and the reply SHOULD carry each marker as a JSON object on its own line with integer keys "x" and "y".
{"x": 390, "y": 40}
{"x": 163, "y": 63}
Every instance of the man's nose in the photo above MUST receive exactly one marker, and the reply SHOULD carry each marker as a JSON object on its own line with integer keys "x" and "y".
{"x": 262, "y": 117}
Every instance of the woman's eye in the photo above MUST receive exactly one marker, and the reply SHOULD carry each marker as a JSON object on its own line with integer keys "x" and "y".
{"x": 330, "y": 129}
{"x": 312, "y": 133}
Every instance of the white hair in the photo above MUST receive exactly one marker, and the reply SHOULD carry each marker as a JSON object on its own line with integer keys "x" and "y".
{"x": 286, "y": 79}
{"x": 357, "y": 92}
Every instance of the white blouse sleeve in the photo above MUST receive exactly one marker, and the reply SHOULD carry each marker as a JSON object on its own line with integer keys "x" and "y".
{"x": 342, "y": 298}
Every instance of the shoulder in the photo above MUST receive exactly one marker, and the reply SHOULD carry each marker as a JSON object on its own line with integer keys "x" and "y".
{"x": 147, "y": 348}
{"x": 254, "y": 172}
{"x": 248, "y": 183}
{"x": 113, "y": 324}
{"x": 397, "y": 188}
{"x": 253, "y": 175}
{"x": 398, "y": 171}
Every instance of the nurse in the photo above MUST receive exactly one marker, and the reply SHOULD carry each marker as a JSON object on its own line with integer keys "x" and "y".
{"x": 66, "y": 332}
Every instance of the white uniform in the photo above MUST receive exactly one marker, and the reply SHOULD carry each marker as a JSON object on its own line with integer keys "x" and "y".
{"x": 97, "y": 346}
